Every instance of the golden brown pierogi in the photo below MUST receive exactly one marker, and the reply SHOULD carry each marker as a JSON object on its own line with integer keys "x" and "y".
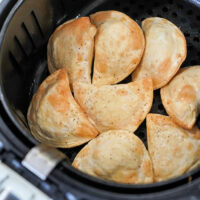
{"x": 164, "y": 53}
{"x": 118, "y": 156}
{"x": 55, "y": 118}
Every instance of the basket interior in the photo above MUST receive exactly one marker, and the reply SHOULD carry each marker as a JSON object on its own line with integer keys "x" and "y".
{"x": 23, "y": 63}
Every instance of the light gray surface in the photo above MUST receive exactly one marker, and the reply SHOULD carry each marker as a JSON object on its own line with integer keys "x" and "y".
{"x": 13, "y": 184}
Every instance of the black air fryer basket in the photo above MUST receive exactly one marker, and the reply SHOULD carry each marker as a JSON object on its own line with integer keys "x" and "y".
{"x": 23, "y": 66}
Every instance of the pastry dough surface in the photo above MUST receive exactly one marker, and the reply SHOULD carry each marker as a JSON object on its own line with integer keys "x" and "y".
{"x": 118, "y": 156}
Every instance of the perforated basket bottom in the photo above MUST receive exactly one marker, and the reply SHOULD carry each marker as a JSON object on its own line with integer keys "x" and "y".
{"x": 185, "y": 15}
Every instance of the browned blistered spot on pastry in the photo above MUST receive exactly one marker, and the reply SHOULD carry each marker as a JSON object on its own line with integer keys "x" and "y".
{"x": 142, "y": 95}
{"x": 169, "y": 101}
{"x": 86, "y": 131}
{"x": 101, "y": 67}
{"x": 164, "y": 67}
{"x": 131, "y": 178}
{"x": 147, "y": 168}
{"x": 179, "y": 55}
{"x": 76, "y": 165}
{"x": 78, "y": 90}
{"x": 81, "y": 24}
{"x": 134, "y": 61}
{"x": 196, "y": 133}
{"x": 96, "y": 154}
{"x": 122, "y": 53}
{"x": 80, "y": 74}
{"x": 164, "y": 21}
{"x": 123, "y": 19}
{"x": 62, "y": 85}
{"x": 190, "y": 146}
{"x": 162, "y": 71}
{"x": 97, "y": 172}
{"x": 62, "y": 75}
{"x": 147, "y": 84}
{"x": 48, "y": 81}
{"x": 41, "y": 91}
{"x": 59, "y": 103}
{"x": 187, "y": 94}
{"x": 122, "y": 92}
{"x": 79, "y": 57}
{"x": 139, "y": 41}
{"x": 159, "y": 120}
{"x": 100, "y": 18}
{"x": 123, "y": 37}
{"x": 177, "y": 152}
{"x": 139, "y": 149}
{"x": 59, "y": 100}
{"x": 146, "y": 23}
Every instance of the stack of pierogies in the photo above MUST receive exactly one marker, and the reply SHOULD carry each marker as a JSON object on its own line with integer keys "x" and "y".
{"x": 72, "y": 107}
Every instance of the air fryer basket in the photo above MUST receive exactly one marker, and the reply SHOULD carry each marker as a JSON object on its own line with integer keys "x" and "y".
{"x": 23, "y": 66}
